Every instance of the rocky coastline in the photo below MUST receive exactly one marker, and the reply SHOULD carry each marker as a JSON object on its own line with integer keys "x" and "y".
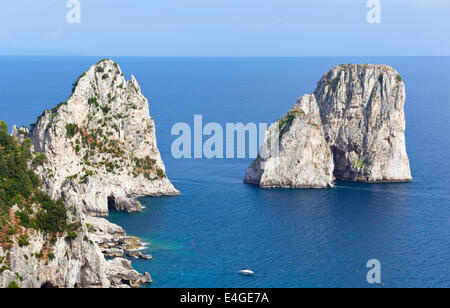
{"x": 96, "y": 153}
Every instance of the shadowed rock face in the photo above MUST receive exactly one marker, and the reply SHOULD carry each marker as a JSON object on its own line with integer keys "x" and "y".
{"x": 101, "y": 144}
{"x": 361, "y": 117}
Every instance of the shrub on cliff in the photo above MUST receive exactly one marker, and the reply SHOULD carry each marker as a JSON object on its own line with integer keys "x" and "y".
{"x": 52, "y": 216}
{"x": 39, "y": 160}
{"x": 13, "y": 285}
{"x": 71, "y": 130}
{"x": 3, "y": 127}
{"x": 16, "y": 179}
{"x": 20, "y": 186}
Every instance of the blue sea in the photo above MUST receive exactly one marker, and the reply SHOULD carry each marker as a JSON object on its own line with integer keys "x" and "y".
{"x": 289, "y": 238}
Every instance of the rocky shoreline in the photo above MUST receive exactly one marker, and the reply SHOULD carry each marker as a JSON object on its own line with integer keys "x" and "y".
{"x": 95, "y": 153}
{"x": 113, "y": 240}
{"x": 114, "y": 244}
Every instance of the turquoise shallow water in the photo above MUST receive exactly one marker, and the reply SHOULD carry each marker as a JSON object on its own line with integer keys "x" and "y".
{"x": 290, "y": 238}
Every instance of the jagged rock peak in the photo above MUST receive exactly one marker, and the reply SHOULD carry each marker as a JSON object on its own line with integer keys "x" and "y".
{"x": 361, "y": 111}
{"x": 101, "y": 145}
{"x": 106, "y": 77}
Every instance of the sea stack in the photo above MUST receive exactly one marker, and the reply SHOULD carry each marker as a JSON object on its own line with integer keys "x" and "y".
{"x": 101, "y": 145}
{"x": 94, "y": 153}
{"x": 351, "y": 129}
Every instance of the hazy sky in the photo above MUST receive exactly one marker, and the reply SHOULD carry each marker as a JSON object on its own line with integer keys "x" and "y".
{"x": 225, "y": 28}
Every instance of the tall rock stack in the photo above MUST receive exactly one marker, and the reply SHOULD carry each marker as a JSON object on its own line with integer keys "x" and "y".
{"x": 101, "y": 145}
{"x": 360, "y": 121}
{"x": 97, "y": 152}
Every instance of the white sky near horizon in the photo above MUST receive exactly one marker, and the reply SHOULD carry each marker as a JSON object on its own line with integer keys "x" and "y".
{"x": 226, "y": 28}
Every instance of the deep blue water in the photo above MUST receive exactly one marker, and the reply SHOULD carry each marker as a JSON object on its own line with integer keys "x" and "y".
{"x": 290, "y": 238}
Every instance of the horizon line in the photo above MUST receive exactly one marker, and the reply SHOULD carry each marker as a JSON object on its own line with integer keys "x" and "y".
{"x": 255, "y": 56}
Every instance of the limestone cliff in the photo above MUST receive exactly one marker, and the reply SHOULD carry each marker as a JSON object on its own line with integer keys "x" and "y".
{"x": 303, "y": 159}
{"x": 72, "y": 260}
{"x": 360, "y": 121}
{"x": 100, "y": 145}
{"x": 93, "y": 153}
{"x": 35, "y": 259}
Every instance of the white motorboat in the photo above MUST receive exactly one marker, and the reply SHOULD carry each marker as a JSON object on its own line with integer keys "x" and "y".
{"x": 246, "y": 272}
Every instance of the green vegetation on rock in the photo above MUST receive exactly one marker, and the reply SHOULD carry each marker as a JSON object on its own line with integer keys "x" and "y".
{"x": 93, "y": 101}
{"x": 289, "y": 117}
{"x": 71, "y": 129}
{"x": 13, "y": 285}
{"x": 147, "y": 167}
{"x": 21, "y": 187}
{"x": 360, "y": 164}
{"x": 39, "y": 160}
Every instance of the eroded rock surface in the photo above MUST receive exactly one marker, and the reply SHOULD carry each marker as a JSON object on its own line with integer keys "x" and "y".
{"x": 68, "y": 263}
{"x": 101, "y": 145}
{"x": 122, "y": 275}
{"x": 352, "y": 127}
{"x": 97, "y": 152}
{"x": 304, "y": 160}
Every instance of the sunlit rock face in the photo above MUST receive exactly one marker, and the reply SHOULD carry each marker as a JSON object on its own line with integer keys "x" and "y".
{"x": 100, "y": 153}
{"x": 304, "y": 159}
{"x": 101, "y": 145}
{"x": 360, "y": 116}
